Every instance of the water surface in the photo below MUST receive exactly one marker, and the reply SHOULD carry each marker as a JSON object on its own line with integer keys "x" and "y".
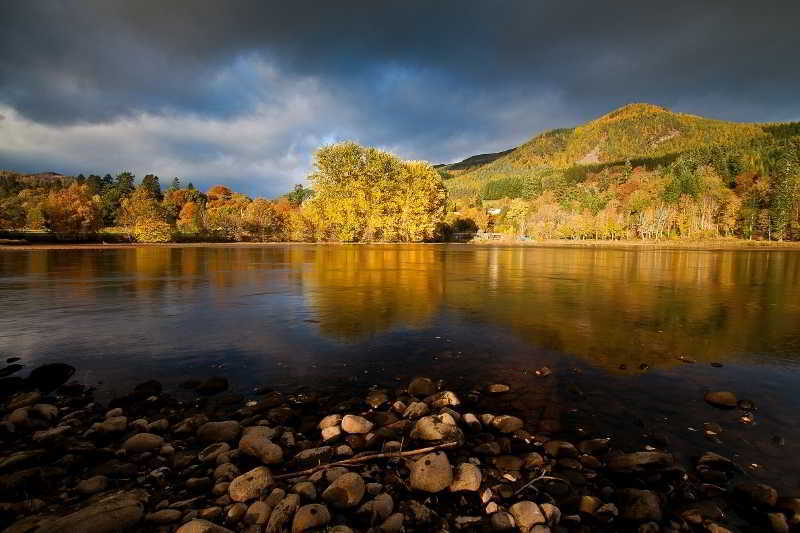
{"x": 610, "y": 323}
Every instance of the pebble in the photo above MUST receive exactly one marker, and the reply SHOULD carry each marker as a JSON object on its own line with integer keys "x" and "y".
{"x": 345, "y": 491}
{"x": 431, "y": 473}
{"x": 356, "y": 424}
{"x": 250, "y": 485}
{"x": 721, "y": 399}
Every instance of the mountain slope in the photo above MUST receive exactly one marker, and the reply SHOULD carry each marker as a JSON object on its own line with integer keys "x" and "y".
{"x": 643, "y": 133}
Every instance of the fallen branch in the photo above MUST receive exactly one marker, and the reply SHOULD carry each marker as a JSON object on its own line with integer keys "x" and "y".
{"x": 542, "y": 477}
{"x": 365, "y": 458}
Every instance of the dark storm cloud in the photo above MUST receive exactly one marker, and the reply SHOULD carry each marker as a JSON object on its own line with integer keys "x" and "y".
{"x": 433, "y": 80}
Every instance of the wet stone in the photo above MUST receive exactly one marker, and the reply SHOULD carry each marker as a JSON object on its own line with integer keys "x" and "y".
{"x": 721, "y": 399}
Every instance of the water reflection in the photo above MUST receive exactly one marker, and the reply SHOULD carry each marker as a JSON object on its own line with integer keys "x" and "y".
{"x": 610, "y": 307}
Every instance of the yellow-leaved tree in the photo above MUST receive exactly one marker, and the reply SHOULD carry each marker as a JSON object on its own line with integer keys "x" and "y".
{"x": 366, "y": 194}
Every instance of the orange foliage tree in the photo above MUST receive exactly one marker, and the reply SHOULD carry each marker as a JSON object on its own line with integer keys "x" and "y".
{"x": 72, "y": 211}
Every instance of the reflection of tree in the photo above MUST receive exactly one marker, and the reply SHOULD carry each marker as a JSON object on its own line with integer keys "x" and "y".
{"x": 609, "y": 306}
{"x": 356, "y": 291}
{"x": 615, "y": 306}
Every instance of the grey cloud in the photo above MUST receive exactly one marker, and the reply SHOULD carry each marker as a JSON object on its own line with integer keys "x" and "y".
{"x": 432, "y": 80}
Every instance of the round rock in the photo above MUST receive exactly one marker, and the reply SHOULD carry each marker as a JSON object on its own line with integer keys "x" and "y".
{"x": 250, "y": 485}
{"x": 432, "y": 473}
{"x": 346, "y": 491}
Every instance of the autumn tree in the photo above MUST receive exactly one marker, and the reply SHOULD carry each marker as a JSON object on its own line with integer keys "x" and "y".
{"x": 365, "y": 194}
{"x": 72, "y": 211}
{"x": 143, "y": 213}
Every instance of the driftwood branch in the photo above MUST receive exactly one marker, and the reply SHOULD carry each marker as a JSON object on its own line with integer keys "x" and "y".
{"x": 541, "y": 477}
{"x": 365, "y": 458}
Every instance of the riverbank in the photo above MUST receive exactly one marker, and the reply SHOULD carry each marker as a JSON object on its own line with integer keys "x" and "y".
{"x": 415, "y": 457}
{"x": 715, "y": 245}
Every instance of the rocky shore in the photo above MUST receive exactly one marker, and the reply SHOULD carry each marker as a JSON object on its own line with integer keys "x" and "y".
{"x": 418, "y": 457}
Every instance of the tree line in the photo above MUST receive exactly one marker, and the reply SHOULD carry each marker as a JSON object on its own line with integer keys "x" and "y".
{"x": 357, "y": 194}
{"x": 749, "y": 190}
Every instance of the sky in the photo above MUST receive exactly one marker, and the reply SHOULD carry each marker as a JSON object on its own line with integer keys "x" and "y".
{"x": 242, "y": 92}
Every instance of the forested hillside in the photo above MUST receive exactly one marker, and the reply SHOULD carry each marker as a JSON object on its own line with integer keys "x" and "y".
{"x": 642, "y": 172}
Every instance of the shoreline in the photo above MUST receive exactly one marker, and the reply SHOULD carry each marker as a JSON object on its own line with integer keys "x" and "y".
{"x": 415, "y": 457}
{"x": 703, "y": 245}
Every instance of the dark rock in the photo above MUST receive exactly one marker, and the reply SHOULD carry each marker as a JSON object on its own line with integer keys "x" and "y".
{"x": 721, "y": 399}
{"x": 10, "y": 369}
{"x": 211, "y": 386}
{"x": 422, "y": 387}
{"x": 640, "y": 462}
{"x": 147, "y": 389}
{"x": 49, "y": 377}
{"x": 757, "y": 494}
{"x": 640, "y": 505}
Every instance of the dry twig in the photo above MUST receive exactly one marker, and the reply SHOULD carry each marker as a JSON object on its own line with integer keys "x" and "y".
{"x": 365, "y": 458}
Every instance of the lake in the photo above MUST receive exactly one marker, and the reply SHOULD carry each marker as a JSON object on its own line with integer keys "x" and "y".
{"x": 610, "y": 323}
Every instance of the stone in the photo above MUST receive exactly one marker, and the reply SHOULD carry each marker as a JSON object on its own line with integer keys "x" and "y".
{"x": 49, "y": 377}
{"x": 467, "y": 478}
{"x": 589, "y": 504}
{"x": 164, "y": 516}
{"x": 501, "y": 521}
{"x": 251, "y": 484}
{"x": 593, "y": 446}
{"x": 416, "y": 410}
{"x": 377, "y": 509}
{"x": 640, "y": 462}
{"x": 346, "y": 491}
{"x": 331, "y": 433}
{"x": 93, "y": 485}
{"x": 143, "y": 442}
{"x": 640, "y": 505}
{"x": 526, "y": 515}
{"x": 472, "y": 422}
{"x": 210, "y": 453}
{"x": 109, "y": 514}
{"x": 309, "y": 517}
{"x": 255, "y": 443}
{"x": 778, "y": 523}
{"x": 282, "y": 513}
{"x": 236, "y": 512}
{"x": 225, "y": 472}
{"x": 497, "y": 388}
{"x": 551, "y": 513}
{"x": 559, "y": 449}
{"x": 532, "y": 461}
{"x": 721, "y": 399}
{"x": 330, "y": 421}
{"x": 393, "y": 524}
{"x": 431, "y": 473}
{"x": 436, "y": 427}
{"x": 225, "y": 431}
{"x": 443, "y": 399}
{"x": 258, "y": 513}
{"x": 465, "y": 522}
{"x": 313, "y": 456}
{"x": 24, "y": 399}
{"x": 757, "y": 494}
{"x": 50, "y": 436}
{"x": 507, "y": 463}
{"x": 421, "y": 387}
{"x": 377, "y": 398}
{"x": 507, "y": 424}
{"x": 202, "y": 526}
{"x": 356, "y": 424}
{"x": 211, "y": 386}
{"x": 306, "y": 490}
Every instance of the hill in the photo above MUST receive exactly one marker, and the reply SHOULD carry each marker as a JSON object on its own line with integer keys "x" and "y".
{"x": 645, "y": 134}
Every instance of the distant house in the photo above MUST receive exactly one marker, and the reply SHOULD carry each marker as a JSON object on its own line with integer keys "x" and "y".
{"x": 494, "y": 211}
